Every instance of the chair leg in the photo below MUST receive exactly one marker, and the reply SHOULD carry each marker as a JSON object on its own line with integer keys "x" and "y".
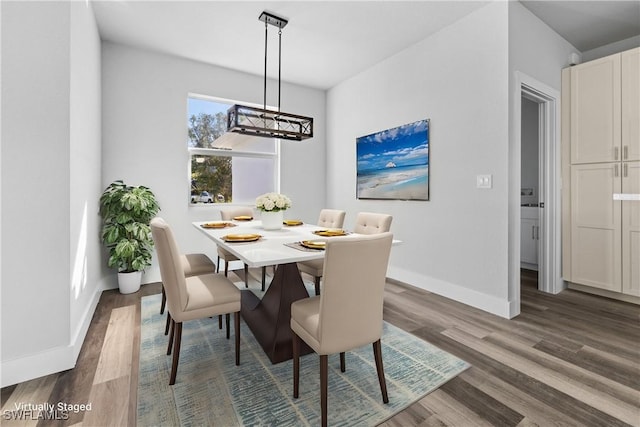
{"x": 166, "y": 328}
{"x": 264, "y": 275}
{"x": 227, "y": 316}
{"x": 324, "y": 369}
{"x": 317, "y": 283}
{"x": 176, "y": 353}
{"x": 296, "y": 364}
{"x": 377, "y": 353}
{"x": 246, "y": 276}
{"x": 164, "y": 301}
{"x": 343, "y": 363}
{"x": 218, "y": 265}
{"x": 226, "y": 268}
{"x": 171, "y": 337}
{"x": 236, "y": 330}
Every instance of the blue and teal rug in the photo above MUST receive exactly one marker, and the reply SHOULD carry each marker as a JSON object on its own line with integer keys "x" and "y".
{"x": 211, "y": 390}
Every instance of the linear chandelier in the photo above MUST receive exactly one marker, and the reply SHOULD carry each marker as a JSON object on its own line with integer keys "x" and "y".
{"x": 262, "y": 122}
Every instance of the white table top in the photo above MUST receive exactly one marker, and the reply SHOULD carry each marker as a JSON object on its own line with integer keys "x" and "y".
{"x": 271, "y": 248}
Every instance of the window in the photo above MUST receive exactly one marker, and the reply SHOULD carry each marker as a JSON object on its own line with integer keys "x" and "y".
{"x": 226, "y": 172}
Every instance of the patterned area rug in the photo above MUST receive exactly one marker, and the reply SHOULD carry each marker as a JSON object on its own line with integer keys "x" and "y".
{"x": 211, "y": 390}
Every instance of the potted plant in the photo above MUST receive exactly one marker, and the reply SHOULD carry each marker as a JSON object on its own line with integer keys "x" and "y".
{"x": 126, "y": 212}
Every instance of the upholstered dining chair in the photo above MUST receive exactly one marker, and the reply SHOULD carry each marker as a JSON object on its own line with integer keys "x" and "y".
{"x": 192, "y": 265}
{"x": 190, "y": 298}
{"x": 228, "y": 215}
{"x": 330, "y": 218}
{"x": 372, "y": 223}
{"x": 348, "y": 313}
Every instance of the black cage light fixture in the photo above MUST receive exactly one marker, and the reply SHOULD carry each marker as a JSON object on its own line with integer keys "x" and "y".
{"x": 262, "y": 122}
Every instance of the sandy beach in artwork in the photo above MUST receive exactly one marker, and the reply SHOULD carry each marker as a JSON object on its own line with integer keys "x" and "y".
{"x": 407, "y": 183}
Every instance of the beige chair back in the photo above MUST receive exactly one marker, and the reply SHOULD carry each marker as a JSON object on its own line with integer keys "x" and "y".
{"x": 171, "y": 269}
{"x": 228, "y": 214}
{"x": 355, "y": 271}
{"x": 331, "y": 218}
{"x": 372, "y": 223}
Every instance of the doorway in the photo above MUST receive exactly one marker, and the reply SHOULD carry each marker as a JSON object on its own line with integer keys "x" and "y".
{"x": 547, "y": 195}
{"x": 532, "y": 164}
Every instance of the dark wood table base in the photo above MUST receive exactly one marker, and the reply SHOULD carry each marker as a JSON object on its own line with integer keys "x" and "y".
{"x": 269, "y": 319}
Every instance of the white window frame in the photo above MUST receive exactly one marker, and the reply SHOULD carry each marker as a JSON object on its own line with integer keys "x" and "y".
{"x": 230, "y": 153}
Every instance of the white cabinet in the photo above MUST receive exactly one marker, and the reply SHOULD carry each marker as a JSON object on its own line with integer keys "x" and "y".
{"x": 631, "y": 230}
{"x": 630, "y": 112}
{"x": 601, "y": 158}
{"x": 596, "y": 226}
{"x": 605, "y": 109}
{"x": 605, "y": 233}
{"x": 529, "y": 237}
{"x": 595, "y": 111}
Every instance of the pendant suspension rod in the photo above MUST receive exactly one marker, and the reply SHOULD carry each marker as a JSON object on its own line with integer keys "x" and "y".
{"x": 260, "y": 122}
{"x": 266, "y": 33}
{"x": 279, "y": 64}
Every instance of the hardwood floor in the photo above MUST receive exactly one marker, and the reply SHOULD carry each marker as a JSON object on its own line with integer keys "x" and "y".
{"x": 571, "y": 359}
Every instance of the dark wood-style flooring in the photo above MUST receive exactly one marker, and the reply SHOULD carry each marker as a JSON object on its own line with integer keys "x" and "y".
{"x": 571, "y": 359}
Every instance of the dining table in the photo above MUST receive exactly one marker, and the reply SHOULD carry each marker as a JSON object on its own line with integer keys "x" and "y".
{"x": 269, "y": 317}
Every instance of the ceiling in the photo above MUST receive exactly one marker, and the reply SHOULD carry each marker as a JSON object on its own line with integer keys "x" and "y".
{"x": 326, "y": 42}
{"x": 589, "y": 24}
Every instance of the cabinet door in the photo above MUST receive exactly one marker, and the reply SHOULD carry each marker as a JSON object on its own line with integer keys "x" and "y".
{"x": 595, "y": 111}
{"x": 631, "y": 230}
{"x": 529, "y": 241}
{"x": 596, "y": 226}
{"x": 630, "y": 113}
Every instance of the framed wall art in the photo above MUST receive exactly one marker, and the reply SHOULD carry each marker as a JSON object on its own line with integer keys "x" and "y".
{"x": 393, "y": 164}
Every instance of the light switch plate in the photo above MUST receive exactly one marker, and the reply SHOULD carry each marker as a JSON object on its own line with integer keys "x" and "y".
{"x": 484, "y": 181}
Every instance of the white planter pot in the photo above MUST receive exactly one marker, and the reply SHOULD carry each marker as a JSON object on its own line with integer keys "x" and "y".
{"x": 272, "y": 220}
{"x": 129, "y": 282}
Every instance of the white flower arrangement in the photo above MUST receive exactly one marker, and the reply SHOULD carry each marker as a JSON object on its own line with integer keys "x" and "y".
{"x": 273, "y": 202}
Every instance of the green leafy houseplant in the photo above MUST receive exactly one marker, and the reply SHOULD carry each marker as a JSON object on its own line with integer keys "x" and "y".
{"x": 126, "y": 212}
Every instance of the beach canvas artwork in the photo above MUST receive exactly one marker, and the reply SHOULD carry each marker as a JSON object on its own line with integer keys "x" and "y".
{"x": 394, "y": 163}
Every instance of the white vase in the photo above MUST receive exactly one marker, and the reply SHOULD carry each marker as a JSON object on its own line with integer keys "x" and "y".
{"x": 272, "y": 220}
{"x": 129, "y": 282}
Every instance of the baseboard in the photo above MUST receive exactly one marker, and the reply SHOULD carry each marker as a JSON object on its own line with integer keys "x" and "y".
{"x": 37, "y": 365}
{"x": 81, "y": 331}
{"x": 604, "y": 293}
{"x": 53, "y": 360}
{"x": 527, "y": 266}
{"x": 488, "y": 303}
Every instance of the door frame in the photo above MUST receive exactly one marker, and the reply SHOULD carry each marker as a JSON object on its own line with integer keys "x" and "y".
{"x": 550, "y": 271}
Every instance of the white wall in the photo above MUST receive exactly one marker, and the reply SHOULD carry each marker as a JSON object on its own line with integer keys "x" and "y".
{"x": 44, "y": 44}
{"x": 35, "y": 160}
{"x": 456, "y": 243}
{"x": 85, "y": 251}
{"x": 145, "y": 135}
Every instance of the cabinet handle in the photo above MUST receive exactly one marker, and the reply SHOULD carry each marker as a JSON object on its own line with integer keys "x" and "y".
{"x": 615, "y": 170}
{"x": 533, "y": 232}
{"x": 537, "y": 233}
{"x": 625, "y": 152}
{"x": 615, "y": 153}
{"x": 626, "y": 170}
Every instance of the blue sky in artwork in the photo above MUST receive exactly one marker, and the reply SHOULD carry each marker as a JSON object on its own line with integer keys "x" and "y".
{"x": 406, "y": 145}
